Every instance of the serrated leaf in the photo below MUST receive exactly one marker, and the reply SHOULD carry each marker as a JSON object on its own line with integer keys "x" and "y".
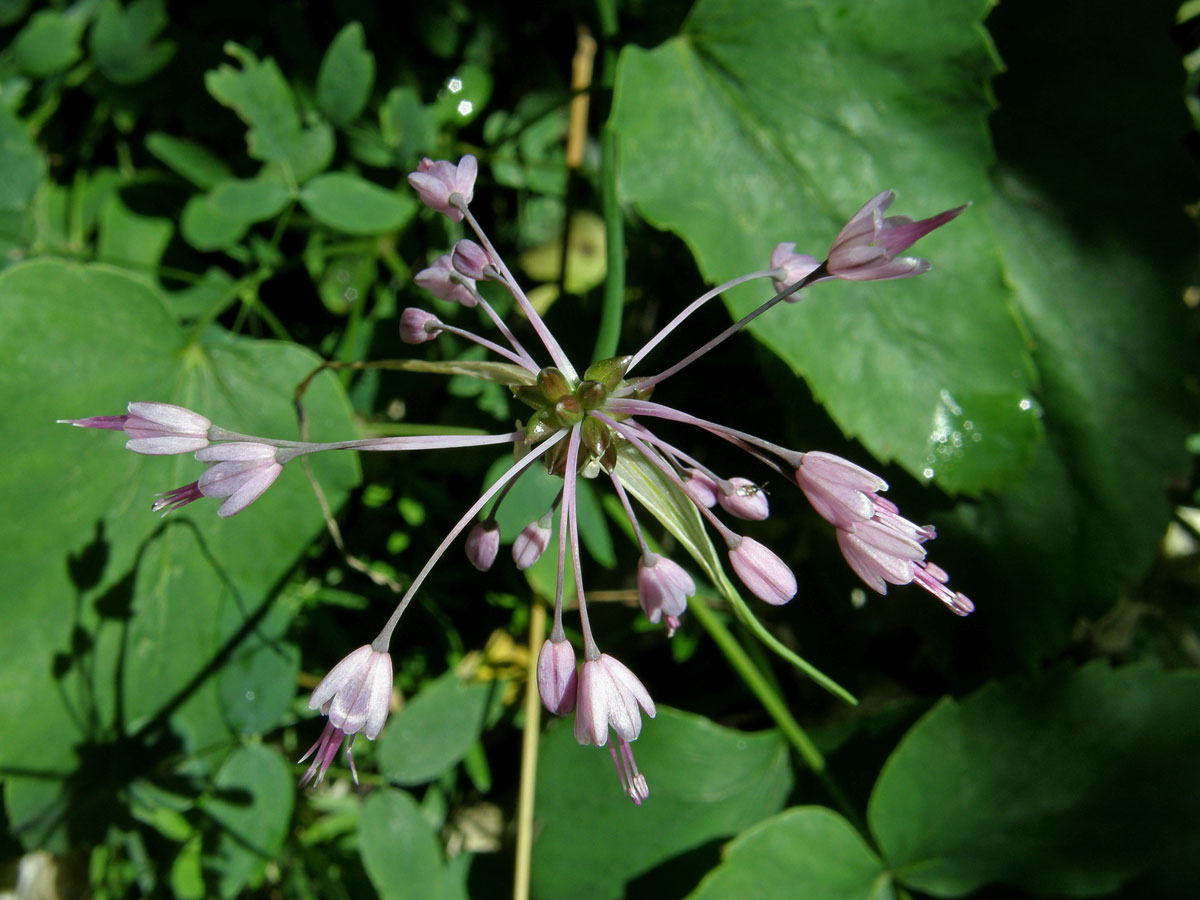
{"x": 810, "y": 846}
{"x": 354, "y": 205}
{"x": 346, "y": 75}
{"x": 791, "y": 116}
{"x": 1064, "y": 784}
{"x": 433, "y": 731}
{"x": 692, "y": 801}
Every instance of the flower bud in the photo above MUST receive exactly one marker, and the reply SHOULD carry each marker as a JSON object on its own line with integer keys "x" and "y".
{"x": 743, "y": 498}
{"x": 471, "y": 261}
{"x": 556, "y": 676}
{"x": 531, "y": 543}
{"x": 418, "y": 326}
{"x": 762, "y": 572}
{"x": 483, "y": 543}
{"x": 701, "y": 488}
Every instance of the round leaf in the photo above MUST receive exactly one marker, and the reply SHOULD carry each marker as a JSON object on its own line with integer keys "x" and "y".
{"x": 354, "y": 205}
{"x": 402, "y": 855}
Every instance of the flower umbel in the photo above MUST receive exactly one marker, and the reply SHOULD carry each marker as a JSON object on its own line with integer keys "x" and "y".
{"x": 596, "y": 423}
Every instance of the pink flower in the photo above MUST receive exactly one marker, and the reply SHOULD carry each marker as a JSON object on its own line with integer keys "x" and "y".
{"x": 418, "y": 326}
{"x": 840, "y": 491}
{"x": 440, "y": 183}
{"x": 609, "y": 697}
{"x": 702, "y": 489}
{"x": 531, "y": 543}
{"x": 763, "y": 573}
{"x": 663, "y": 588}
{"x": 155, "y": 429}
{"x": 355, "y": 696}
{"x": 483, "y": 543}
{"x": 471, "y": 261}
{"x": 441, "y": 280}
{"x": 556, "y": 676}
{"x": 865, "y": 250}
{"x": 887, "y": 550}
{"x": 243, "y": 471}
{"x": 743, "y": 498}
{"x": 792, "y": 267}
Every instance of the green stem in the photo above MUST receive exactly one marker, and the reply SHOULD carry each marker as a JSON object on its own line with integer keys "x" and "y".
{"x": 775, "y": 706}
{"x": 614, "y": 230}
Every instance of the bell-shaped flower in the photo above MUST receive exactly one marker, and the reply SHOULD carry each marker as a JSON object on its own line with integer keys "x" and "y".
{"x": 441, "y": 280}
{"x": 609, "y": 696}
{"x": 843, "y": 493}
{"x": 483, "y": 543}
{"x": 743, "y": 498}
{"x": 867, "y": 248}
{"x": 663, "y": 588}
{"x": 242, "y": 471}
{"x": 556, "y": 676}
{"x": 355, "y": 697}
{"x": 442, "y": 184}
{"x": 888, "y": 550}
{"x": 792, "y": 267}
{"x": 154, "y": 429}
{"x": 763, "y": 573}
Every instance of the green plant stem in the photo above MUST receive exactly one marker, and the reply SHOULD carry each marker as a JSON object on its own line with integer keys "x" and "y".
{"x": 775, "y": 706}
{"x": 614, "y": 232}
{"x": 529, "y": 754}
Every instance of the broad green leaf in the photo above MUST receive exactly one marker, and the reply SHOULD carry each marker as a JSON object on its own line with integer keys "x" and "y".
{"x": 1064, "y": 784}
{"x": 252, "y": 803}
{"x": 400, "y": 852}
{"x": 21, "y": 165}
{"x": 705, "y": 781}
{"x": 131, "y": 240}
{"x": 790, "y": 116}
{"x": 346, "y": 75}
{"x": 49, "y": 43}
{"x": 196, "y": 163}
{"x": 433, "y": 731}
{"x": 1097, "y": 274}
{"x": 11, "y": 11}
{"x": 248, "y": 201}
{"x": 810, "y": 846}
{"x": 258, "y": 684}
{"x": 354, "y": 205}
{"x": 262, "y": 98}
{"x": 206, "y": 229}
{"x": 129, "y": 617}
{"x": 407, "y": 125}
{"x": 122, "y": 40}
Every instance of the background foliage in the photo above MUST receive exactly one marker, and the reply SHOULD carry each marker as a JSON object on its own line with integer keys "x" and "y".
{"x": 198, "y": 208}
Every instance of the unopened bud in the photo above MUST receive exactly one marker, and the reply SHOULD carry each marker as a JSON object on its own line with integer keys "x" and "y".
{"x": 483, "y": 543}
{"x": 531, "y": 543}
{"x": 418, "y": 326}
{"x": 762, "y": 572}
{"x": 743, "y": 498}
{"x": 471, "y": 261}
{"x": 556, "y": 676}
